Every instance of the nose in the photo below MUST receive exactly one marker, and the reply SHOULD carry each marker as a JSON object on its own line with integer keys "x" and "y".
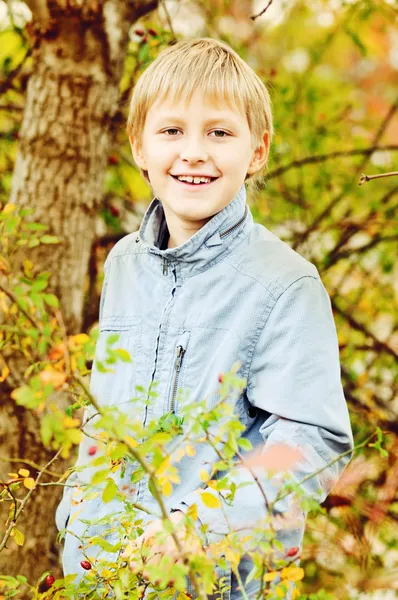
{"x": 193, "y": 151}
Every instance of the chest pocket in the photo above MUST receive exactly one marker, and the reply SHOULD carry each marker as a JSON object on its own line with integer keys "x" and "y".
{"x": 116, "y": 366}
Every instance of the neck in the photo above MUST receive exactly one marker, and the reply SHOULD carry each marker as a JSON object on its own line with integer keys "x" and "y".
{"x": 181, "y": 233}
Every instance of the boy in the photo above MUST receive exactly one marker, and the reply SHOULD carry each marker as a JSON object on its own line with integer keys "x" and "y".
{"x": 200, "y": 287}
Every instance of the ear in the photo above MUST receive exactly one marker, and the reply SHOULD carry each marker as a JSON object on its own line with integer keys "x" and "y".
{"x": 260, "y": 155}
{"x": 137, "y": 153}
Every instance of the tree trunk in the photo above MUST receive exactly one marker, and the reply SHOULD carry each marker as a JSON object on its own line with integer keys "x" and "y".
{"x": 66, "y": 134}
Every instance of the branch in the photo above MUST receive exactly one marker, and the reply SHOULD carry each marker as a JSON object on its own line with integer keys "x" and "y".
{"x": 378, "y": 344}
{"x": 26, "y": 500}
{"x": 15, "y": 299}
{"x": 253, "y": 17}
{"x": 328, "y": 209}
{"x": 152, "y": 477}
{"x": 364, "y": 178}
{"x": 331, "y": 155}
{"x": 31, "y": 463}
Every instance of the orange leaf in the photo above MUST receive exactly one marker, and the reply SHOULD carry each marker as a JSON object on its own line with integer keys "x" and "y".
{"x": 279, "y": 457}
{"x": 54, "y": 377}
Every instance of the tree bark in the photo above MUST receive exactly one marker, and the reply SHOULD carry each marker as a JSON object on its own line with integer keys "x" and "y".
{"x": 66, "y": 134}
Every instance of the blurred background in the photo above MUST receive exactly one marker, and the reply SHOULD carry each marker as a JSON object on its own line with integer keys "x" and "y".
{"x": 69, "y": 189}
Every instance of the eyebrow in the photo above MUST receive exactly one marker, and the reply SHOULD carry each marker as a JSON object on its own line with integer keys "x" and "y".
{"x": 178, "y": 119}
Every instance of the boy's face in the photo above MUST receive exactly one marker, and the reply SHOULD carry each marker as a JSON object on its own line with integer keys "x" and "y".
{"x": 196, "y": 139}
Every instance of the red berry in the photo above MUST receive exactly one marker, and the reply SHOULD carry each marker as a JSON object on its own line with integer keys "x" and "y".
{"x": 50, "y": 580}
{"x": 140, "y": 32}
{"x": 273, "y": 72}
{"x": 221, "y": 378}
{"x": 292, "y": 551}
{"x": 114, "y": 211}
{"x": 144, "y": 39}
{"x": 113, "y": 159}
{"x": 152, "y": 32}
{"x": 85, "y": 564}
{"x": 92, "y": 450}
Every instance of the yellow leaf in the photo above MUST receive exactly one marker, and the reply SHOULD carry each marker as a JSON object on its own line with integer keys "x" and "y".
{"x": 29, "y": 483}
{"x": 13, "y": 475}
{"x": 9, "y": 208}
{"x": 292, "y": 573}
{"x": 210, "y": 500}
{"x": 24, "y": 472}
{"x": 203, "y": 474}
{"x": 167, "y": 489}
{"x": 4, "y": 373}
{"x": 131, "y": 441}
{"x": 179, "y": 455}
{"x": 70, "y": 422}
{"x": 270, "y": 576}
{"x": 106, "y": 573}
{"x": 73, "y": 517}
{"x": 190, "y": 450}
{"x": 281, "y": 593}
{"x": 19, "y": 537}
{"x": 193, "y": 511}
{"x": 232, "y": 556}
{"x": 80, "y": 338}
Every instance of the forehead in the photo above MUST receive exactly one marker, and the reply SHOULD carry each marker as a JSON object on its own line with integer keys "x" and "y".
{"x": 199, "y": 105}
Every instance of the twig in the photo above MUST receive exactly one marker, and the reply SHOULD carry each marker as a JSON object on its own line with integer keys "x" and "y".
{"x": 328, "y": 209}
{"x": 253, "y": 17}
{"x": 26, "y": 500}
{"x": 60, "y": 319}
{"x": 170, "y": 24}
{"x": 311, "y": 475}
{"x": 378, "y": 344}
{"x": 31, "y": 463}
{"x": 364, "y": 178}
{"x": 152, "y": 477}
{"x": 329, "y": 156}
{"x": 15, "y": 299}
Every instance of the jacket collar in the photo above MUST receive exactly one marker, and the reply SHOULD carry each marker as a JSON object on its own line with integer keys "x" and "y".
{"x": 218, "y": 236}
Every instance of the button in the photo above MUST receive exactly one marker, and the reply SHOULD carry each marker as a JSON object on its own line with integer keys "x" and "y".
{"x": 252, "y": 411}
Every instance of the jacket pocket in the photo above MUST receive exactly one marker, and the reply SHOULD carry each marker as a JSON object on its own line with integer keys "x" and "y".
{"x": 116, "y": 366}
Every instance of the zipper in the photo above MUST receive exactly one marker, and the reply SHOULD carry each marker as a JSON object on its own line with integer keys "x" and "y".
{"x": 227, "y": 231}
{"x": 165, "y": 267}
{"x": 177, "y": 367}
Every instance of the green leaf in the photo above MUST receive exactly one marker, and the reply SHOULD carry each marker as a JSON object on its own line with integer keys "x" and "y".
{"x": 100, "y": 476}
{"x": 245, "y": 444}
{"x": 112, "y": 339}
{"x": 51, "y": 300}
{"x": 122, "y": 354}
{"x": 49, "y": 239}
{"x": 35, "y": 226}
{"x": 110, "y": 491}
{"x": 39, "y": 285}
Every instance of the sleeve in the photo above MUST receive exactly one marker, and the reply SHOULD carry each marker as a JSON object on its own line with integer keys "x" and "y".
{"x": 295, "y": 376}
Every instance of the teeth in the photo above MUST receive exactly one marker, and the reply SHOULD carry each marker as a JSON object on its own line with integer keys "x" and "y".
{"x": 190, "y": 179}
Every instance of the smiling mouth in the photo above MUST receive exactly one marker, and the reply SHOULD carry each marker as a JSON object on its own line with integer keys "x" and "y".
{"x": 192, "y": 185}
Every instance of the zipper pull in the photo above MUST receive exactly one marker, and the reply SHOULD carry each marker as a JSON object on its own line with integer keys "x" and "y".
{"x": 179, "y": 358}
{"x": 165, "y": 267}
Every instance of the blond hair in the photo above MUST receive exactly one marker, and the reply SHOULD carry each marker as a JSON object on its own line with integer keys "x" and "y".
{"x": 220, "y": 73}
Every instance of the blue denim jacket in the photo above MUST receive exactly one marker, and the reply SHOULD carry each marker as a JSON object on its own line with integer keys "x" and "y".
{"x": 234, "y": 292}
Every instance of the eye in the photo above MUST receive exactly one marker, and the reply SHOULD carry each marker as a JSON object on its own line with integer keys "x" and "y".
{"x": 220, "y": 131}
{"x": 171, "y": 129}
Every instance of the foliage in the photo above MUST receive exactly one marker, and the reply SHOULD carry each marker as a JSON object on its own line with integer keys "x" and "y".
{"x": 335, "y": 114}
